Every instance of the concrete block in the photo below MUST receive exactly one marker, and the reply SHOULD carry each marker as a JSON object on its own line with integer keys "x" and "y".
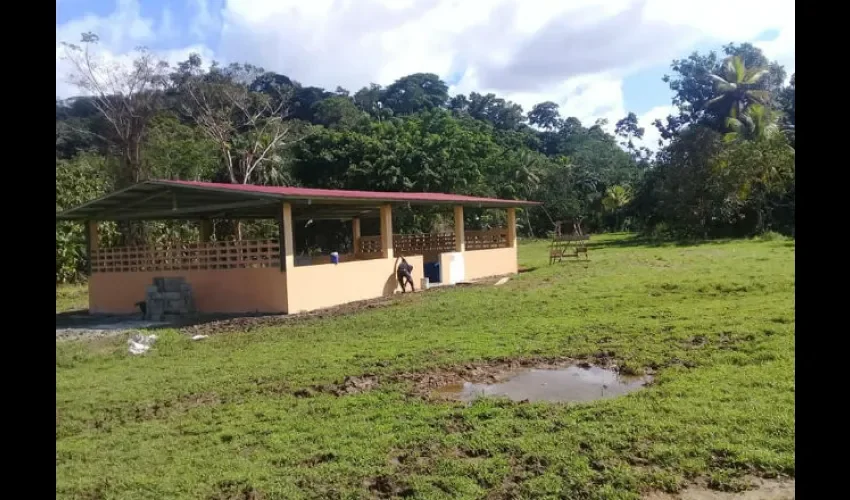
{"x": 151, "y": 289}
{"x": 171, "y": 295}
{"x": 159, "y": 283}
{"x": 155, "y": 311}
{"x": 173, "y": 284}
{"x": 177, "y": 306}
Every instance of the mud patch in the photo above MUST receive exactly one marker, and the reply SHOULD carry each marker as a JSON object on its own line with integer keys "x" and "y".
{"x": 550, "y": 379}
{"x": 387, "y": 487}
{"x": 572, "y": 383}
{"x": 426, "y": 384}
{"x": 762, "y": 489}
{"x": 215, "y": 325}
{"x": 351, "y": 385}
{"x": 236, "y": 490}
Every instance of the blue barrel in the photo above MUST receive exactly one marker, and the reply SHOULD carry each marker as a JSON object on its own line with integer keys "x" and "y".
{"x": 431, "y": 270}
{"x": 334, "y": 257}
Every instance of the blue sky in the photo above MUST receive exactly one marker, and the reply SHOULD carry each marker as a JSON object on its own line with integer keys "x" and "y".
{"x": 595, "y": 58}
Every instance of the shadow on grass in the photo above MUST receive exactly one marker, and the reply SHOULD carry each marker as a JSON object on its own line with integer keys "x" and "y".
{"x": 645, "y": 241}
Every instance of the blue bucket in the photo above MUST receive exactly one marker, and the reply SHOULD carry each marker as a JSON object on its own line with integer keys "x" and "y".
{"x": 334, "y": 257}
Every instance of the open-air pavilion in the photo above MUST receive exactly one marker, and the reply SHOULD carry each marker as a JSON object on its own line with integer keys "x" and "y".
{"x": 264, "y": 276}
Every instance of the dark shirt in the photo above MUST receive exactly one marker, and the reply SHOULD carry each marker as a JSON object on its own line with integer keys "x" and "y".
{"x": 404, "y": 269}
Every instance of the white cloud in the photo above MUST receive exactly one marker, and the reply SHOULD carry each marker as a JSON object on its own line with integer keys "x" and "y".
{"x": 575, "y": 53}
{"x": 651, "y": 134}
{"x": 120, "y": 33}
{"x": 203, "y": 21}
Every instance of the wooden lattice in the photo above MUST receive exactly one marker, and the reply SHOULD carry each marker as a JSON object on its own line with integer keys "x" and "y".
{"x": 485, "y": 240}
{"x": 188, "y": 256}
{"x": 417, "y": 244}
{"x": 414, "y": 244}
{"x": 369, "y": 245}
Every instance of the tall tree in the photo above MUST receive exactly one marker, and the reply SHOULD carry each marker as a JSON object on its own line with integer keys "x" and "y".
{"x": 338, "y": 112}
{"x": 545, "y": 115}
{"x": 628, "y": 129}
{"x": 247, "y": 127}
{"x": 502, "y": 114}
{"x": 788, "y": 102}
{"x": 369, "y": 99}
{"x": 459, "y": 104}
{"x": 417, "y": 92}
{"x": 694, "y": 87}
{"x": 126, "y": 96}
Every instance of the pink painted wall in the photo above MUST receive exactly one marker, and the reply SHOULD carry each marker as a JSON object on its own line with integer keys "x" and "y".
{"x": 327, "y": 285}
{"x": 216, "y": 291}
{"x": 494, "y": 262}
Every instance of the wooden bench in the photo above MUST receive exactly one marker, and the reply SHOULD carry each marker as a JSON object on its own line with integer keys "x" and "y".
{"x": 570, "y": 245}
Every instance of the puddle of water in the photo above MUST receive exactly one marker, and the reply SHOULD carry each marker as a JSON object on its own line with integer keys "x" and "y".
{"x": 557, "y": 385}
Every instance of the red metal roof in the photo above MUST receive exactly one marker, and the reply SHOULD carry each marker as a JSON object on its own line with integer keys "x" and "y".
{"x": 341, "y": 194}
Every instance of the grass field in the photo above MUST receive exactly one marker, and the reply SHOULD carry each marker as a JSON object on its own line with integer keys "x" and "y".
{"x": 219, "y": 419}
{"x": 71, "y": 298}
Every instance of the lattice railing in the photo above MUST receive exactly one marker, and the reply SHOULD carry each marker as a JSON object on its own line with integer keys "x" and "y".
{"x": 413, "y": 244}
{"x": 369, "y": 245}
{"x": 485, "y": 240}
{"x": 188, "y": 256}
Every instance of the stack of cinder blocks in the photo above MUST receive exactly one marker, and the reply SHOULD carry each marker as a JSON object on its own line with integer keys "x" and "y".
{"x": 167, "y": 298}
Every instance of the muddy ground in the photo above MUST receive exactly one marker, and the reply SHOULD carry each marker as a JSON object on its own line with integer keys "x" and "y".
{"x": 425, "y": 383}
{"x": 248, "y": 323}
{"x": 80, "y": 325}
{"x": 761, "y": 489}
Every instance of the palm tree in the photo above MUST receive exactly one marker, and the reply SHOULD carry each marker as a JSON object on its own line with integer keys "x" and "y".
{"x": 616, "y": 197}
{"x": 756, "y": 123}
{"x": 525, "y": 181}
{"x": 738, "y": 87}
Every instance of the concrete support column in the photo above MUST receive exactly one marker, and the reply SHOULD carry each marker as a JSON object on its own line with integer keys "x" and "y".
{"x": 92, "y": 241}
{"x": 206, "y": 230}
{"x": 387, "y": 231}
{"x": 511, "y": 228}
{"x": 355, "y": 234}
{"x": 460, "y": 235}
{"x": 92, "y": 235}
{"x": 287, "y": 243}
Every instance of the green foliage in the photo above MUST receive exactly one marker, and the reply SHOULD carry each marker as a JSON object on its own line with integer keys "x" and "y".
{"x": 175, "y": 150}
{"x": 705, "y": 186}
{"x": 339, "y": 112}
{"x": 417, "y": 92}
{"x": 545, "y": 115}
{"x": 429, "y": 151}
{"x": 705, "y": 88}
{"x": 502, "y": 114}
{"x": 77, "y": 181}
{"x": 239, "y": 123}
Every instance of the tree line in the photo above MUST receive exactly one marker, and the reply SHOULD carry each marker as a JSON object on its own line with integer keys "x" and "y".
{"x": 727, "y": 168}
